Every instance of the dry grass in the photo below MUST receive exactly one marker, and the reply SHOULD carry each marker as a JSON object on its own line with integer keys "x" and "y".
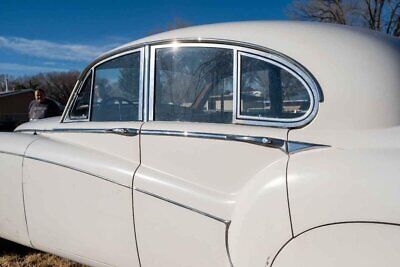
{"x": 14, "y": 255}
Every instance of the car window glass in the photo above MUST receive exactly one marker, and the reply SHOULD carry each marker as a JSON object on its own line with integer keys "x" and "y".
{"x": 269, "y": 91}
{"x": 193, "y": 84}
{"x": 80, "y": 108}
{"x": 116, "y": 89}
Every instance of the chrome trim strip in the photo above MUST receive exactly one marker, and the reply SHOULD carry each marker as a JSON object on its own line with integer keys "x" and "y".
{"x": 119, "y": 131}
{"x": 11, "y": 153}
{"x": 295, "y": 147}
{"x": 279, "y": 62}
{"x": 73, "y": 99}
{"x": 141, "y": 83}
{"x": 75, "y": 93}
{"x": 146, "y": 83}
{"x": 271, "y": 56}
{"x": 236, "y": 43}
{"x": 235, "y": 84}
{"x": 227, "y": 243}
{"x": 256, "y": 140}
{"x": 76, "y": 169}
{"x": 70, "y": 99}
{"x": 181, "y": 205}
{"x": 288, "y": 147}
{"x": 151, "y": 87}
{"x": 91, "y": 95}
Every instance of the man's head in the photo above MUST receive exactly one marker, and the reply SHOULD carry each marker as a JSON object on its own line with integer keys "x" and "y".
{"x": 40, "y": 95}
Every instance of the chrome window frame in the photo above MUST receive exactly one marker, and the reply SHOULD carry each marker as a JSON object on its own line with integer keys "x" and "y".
{"x": 148, "y": 74}
{"x": 175, "y": 44}
{"x": 66, "y": 116}
{"x": 279, "y": 62}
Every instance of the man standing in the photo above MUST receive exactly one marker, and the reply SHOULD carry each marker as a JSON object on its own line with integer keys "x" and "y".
{"x": 42, "y": 107}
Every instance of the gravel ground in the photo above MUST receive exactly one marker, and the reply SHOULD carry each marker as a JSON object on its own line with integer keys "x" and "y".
{"x": 14, "y": 255}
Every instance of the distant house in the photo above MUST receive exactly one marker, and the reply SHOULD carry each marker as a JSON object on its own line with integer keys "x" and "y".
{"x": 14, "y": 108}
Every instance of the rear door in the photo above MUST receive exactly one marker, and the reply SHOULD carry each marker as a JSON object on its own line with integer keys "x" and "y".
{"x": 196, "y": 158}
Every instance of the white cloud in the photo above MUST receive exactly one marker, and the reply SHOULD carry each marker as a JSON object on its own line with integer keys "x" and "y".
{"x": 12, "y": 67}
{"x": 52, "y": 50}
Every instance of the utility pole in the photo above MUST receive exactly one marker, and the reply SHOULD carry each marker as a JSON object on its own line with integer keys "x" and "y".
{"x": 6, "y": 83}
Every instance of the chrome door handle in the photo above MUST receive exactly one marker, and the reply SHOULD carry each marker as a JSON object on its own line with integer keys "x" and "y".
{"x": 124, "y": 131}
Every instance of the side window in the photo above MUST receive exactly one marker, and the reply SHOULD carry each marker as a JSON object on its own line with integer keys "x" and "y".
{"x": 193, "y": 84}
{"x": 268, "y": 91}
{"x": 80, "y": 108}
{"x": 116, "y": 89}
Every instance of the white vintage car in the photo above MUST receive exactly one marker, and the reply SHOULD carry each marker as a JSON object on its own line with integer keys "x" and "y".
{"x": 238, "y": 144}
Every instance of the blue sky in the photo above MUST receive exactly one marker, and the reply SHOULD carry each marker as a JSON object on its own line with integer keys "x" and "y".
{"x": 59, "y": 35}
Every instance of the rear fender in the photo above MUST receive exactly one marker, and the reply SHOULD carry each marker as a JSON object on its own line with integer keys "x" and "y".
{"x": 261, "y": 224}
{"x": 366, "y": 244}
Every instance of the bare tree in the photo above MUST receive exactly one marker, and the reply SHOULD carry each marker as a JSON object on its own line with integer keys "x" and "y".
{"x": 57, "y": 85}
{"x": 379, "y": 15}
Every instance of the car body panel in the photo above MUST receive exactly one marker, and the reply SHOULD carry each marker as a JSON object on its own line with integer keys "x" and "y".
{"x": 195, "y": 194}
{"x": 170, "y": 235}
{"x": 184, "y": 178}
{"x": 261, "y": 220}
{"x": 89, "y": 179}
{"x": 184, "y": 181}
{"x": 64, "y": 207}
{"x": 347, "y": 244}
{"x": 348, "y": 185}
{"x": 12, "y": 211}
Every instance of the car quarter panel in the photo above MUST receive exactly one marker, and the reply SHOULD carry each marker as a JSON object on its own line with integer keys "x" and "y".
{"x": 197, "y": 177}
{"x": 12, "y": 213}
{"x": 261, "y": 223}
{"x": 347, "y": 244}
{"x": 341, "y": 185}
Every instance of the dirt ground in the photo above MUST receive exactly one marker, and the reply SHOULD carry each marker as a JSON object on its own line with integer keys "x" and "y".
{"x": 14, "y": 255}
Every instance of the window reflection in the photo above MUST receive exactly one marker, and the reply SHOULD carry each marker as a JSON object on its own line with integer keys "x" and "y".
{"x": 116, "y": 89}
{"x": 194, "y": 84}
{"x": 269, "y": 91}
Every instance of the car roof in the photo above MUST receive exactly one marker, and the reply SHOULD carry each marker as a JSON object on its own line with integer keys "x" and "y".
{"x": 357, "y": 69}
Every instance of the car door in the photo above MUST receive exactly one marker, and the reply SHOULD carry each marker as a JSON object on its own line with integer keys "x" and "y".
{"x": 203, "y": 145}
{"x": 78, "y": 174}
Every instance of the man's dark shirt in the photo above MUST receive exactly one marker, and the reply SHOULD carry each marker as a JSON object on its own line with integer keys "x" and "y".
{"x": 45, "y": 109}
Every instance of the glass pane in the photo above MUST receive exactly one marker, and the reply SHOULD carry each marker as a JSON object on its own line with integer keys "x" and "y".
{"x": 193, "y": 84}
{"x": 80, "y": 109}
{"x": 116, "y": 89}
{"x": 268, "y": 91}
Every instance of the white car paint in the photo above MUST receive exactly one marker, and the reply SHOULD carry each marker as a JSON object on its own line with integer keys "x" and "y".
{"x": 194, "y": 195}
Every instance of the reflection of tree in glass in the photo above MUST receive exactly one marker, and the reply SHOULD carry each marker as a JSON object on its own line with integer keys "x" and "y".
{"x": 119, "y": 78}
{"x": 293, "y": 89}
{"x": 190, "y": 75}
{"x": 128, "y": 83}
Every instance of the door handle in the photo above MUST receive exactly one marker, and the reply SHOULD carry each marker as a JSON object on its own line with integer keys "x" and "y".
{"x": 124, "y": 131}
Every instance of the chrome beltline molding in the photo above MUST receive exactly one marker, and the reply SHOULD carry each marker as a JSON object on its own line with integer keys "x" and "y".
{"x": 288, "y": 147}
{"x": 295, "y": 147}
{"x": 119, "y": 131}
{"x": 257, "y": 140}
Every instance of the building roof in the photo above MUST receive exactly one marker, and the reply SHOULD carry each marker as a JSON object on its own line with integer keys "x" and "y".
{"x": 4, "y": 94}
